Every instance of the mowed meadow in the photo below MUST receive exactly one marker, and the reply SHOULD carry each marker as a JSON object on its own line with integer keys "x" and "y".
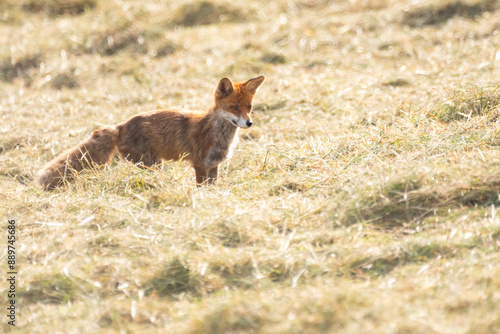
{"x": 364, "y": 199}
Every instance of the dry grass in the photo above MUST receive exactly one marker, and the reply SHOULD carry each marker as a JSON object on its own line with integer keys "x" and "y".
{"x": 363, "y": 200}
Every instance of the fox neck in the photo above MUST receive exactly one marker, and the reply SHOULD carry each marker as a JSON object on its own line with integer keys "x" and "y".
{"x": 224, "y": 129}
{"x": 222, "y": 133}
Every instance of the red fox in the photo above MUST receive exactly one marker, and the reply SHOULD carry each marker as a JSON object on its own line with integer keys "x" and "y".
{"x": 202, "y": 138}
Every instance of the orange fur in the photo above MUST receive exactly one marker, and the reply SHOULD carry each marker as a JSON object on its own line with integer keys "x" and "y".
{"x": 204, "y": 138}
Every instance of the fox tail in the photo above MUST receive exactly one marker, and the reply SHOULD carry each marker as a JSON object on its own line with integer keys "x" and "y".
{"x": 93, "y": 152}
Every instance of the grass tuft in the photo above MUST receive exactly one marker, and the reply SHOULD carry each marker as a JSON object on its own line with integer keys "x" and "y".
{"x": 231, "y": 234}
{"x": 273, "y": 58}
{"x": 229, "y": 319}
{"x": 11, "y": 69}
{"x": 58, "y": 7}
{"x": 270, "y": 106}
{"x": 237, "y": 272}
{"x": 110, "y": 42}
{"x": 12, "y": 144}
{"x": 64, "y": 80}
{"x": 465, "y": 104}
{"x": 288, "y": 187}
{"x": 161, "y": 200}
{"x": 398, "y": 82}
{"x": 439, "y": 12}
{"x": 383, "y": 265}
{"x": 163, "y": 49}
{"x": 174, "y": 278}
{"x": 123, "y": 37}
{"x": 198, "y": 13}
{"x": 54, "y": 289}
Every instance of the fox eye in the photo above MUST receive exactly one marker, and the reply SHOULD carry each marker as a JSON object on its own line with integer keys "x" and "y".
{"x": 235, "y": 108}
{"x": 249, "y": 106}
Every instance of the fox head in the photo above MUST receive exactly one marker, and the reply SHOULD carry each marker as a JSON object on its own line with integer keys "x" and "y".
{"x": 234, "y": 100}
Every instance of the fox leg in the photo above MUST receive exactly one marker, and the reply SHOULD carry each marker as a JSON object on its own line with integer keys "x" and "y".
{"x": 206, "y": 177}
{"x": 201, "y": 175}
{"x": 212, "y": 174}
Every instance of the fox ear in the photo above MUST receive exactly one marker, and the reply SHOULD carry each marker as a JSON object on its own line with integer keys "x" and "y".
{"x": 253, "y": 84}
{"x": 224, "y": 88}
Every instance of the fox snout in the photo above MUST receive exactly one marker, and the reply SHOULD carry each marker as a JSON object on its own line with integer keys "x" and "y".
{"x": 242, "y": 122}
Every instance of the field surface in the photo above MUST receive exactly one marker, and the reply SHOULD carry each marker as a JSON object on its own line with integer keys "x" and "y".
{"x": 364, "y": 199}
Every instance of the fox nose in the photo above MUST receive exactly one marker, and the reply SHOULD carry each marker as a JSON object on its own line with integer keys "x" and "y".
{"x": 249, "y": 123}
